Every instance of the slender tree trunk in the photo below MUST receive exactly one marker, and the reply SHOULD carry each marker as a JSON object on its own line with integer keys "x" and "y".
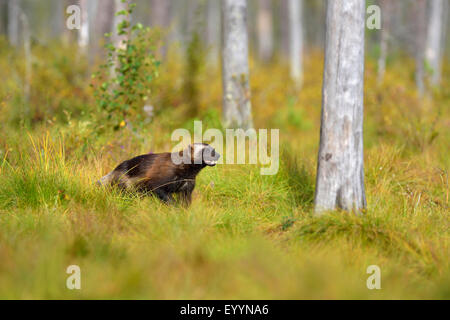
{"x": 420, "y": 44}
{"x": 13, "y": 21}
{"x": 213, "y": 31}
{"x": 296, "y": 40}
{"x": 434, "y": 39}
{"x": 83, "y": 35}
{"x": 119, "y": 40}
{"x": 285, "y": 29}
{"x": 160, "y": 13}
{"x": 3, "y": 16}
{"x": 265, "y": 30}
{"x": 58, "y": 11}
{"x": 27, "y": 53}
{"x": 340, "y": 173}
{"x": 103, "y": 23}
{"x": 446, "y": 28}
{"x": 160, "y": 17}
{"x": 235, "y": 69}
{"x": 385, "y": 34}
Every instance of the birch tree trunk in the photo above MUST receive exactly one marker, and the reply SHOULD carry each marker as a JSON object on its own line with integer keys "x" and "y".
{"x": 13, "y": 21}
{"x": 83, "y": 35}
{"x": 434, "y": 40}
{"x": 235, "y": 70}
{"x": 27, "y": 53}
{"x": 420, "y": 35}
{"x": 3, "y": 11}
{"x": 296, "y": 40}
{"x": 160, "y": 13}
{"x": 340, "y": 172}
{"x": 103, "y": 22}
{"x": 385, "y": 33}
{"x": 265, "y": 30}
{"x": 119, "y": 40}
{"x": 58, "y": 21}
{"x": 213, "y": 31}
{"x": 285, "y": 44}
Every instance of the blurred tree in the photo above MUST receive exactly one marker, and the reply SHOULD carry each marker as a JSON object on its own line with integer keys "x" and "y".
{"x": 83, "y": 34}
{"x": 103, "y": 22}
{"x": 296, "y": 40}
{"x": 119, "y": 39}
{"x": 265, "y": 30}
{"x": 386, "y": 9}
{"x": 420, "y": 36}
{"x": 235, "y": 69}
{"x": 58, "y": 21}
{"x": 3, "y": 16}
{"x": 284, "y": 44}
{"x": 434, "y": 40}
{"x": 160, "y": 13}
{"x": 213, "y": 30}
{"x": 13, "y": 21}
{"x": 160, "y": 17}
{"x": 340, "y": 171}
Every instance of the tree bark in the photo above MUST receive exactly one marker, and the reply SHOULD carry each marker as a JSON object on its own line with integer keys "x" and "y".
{"x": 340, "y": 172}
{"x": 235, "y": 69}
{"x": 434, "y": 40}
{"x": 296, "y": 40}
{"x": 265, "y": 30}
{"x": 13, "y": 22}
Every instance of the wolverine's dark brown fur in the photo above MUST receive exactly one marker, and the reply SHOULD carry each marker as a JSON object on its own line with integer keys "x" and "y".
{"x": 157, "y": 173}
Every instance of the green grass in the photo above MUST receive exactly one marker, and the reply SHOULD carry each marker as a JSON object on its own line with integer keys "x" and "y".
{"x": 245, "y": 236}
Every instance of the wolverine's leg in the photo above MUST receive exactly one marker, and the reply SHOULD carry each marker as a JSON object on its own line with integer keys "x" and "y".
{"x": 186, "y": 198}
{"x": 164, "y": 196}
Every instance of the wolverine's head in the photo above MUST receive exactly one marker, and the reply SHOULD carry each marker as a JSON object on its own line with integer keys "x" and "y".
{"x": 197, "y": 154}
{"x": 203, "y": 153}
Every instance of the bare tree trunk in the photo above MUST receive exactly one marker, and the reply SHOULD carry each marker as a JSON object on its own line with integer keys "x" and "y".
{"x": 434, "y": 40}
{"x": 340, "y": 172}
{"x": 420, "y": 44}
{"x": 119, "y": 40}
{"x": 235, "y": 70}
{"x": 58, "y": 11}
{"x": 27, "y": 52}
{"x": 3, "y": 16}
{"x": 104, "y": 18}
{"x": 213, "y": 31}
{"x": 296, "y": 40}
{"x": 103, "y": 22}
{"x": 13, "y": 21}
{"x": 160, "y": 13}
{"x": 160, "y": 17}
{"x": 284, "y": 29}
{"x": 83, "y": 35}
{"x": 385, "y": 34}
{"x": 265, "y": 30}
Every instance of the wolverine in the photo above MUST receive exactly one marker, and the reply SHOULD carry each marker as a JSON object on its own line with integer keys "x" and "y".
{"x": 164, "y": 174}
